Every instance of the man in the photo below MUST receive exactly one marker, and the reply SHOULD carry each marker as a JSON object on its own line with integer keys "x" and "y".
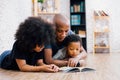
{"x": 62, "y": 29}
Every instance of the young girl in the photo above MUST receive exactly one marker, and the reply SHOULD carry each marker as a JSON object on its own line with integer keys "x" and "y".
{"x": 72, "y": 49}
{"x": 27, "y": 54}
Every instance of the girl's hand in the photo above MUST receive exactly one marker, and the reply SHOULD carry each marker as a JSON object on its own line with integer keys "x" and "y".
{"x": 50, "y": 68}
{"x": 55, "y": 68}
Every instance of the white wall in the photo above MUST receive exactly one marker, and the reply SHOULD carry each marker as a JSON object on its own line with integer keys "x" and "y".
{"x": 12, "y": 12}
{"x": 64, "y": 7}
{"x": 112, "y": 8}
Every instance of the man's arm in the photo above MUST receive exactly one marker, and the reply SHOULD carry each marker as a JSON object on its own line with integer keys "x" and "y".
{"x": 50, "y": 60}
{"x": 29, "y": 68}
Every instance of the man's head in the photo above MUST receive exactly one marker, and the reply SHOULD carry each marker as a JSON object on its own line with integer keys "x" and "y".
{"x": 62, "y": 27}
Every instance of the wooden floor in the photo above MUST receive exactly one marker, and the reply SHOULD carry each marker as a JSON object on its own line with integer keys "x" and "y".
{"x": 107, "y": 67}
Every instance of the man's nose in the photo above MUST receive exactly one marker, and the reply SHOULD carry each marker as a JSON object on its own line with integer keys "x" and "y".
{"x": 64, "y": 34}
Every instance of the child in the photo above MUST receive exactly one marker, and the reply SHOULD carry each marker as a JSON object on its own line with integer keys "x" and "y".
{"x": 71, "y": 50}
{"x": 27, "y": 54}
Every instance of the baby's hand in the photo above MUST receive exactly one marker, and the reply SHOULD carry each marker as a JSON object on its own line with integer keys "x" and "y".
{"x": 72, "y": 62}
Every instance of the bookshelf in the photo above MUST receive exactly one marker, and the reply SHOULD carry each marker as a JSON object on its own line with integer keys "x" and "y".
{"x": 78, "y": 19}
{"x": 101, "y": 32}
{"x": 45, "y": 8}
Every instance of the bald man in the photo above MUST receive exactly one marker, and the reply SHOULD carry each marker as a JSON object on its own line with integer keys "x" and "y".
{"x": 62, "y": 29}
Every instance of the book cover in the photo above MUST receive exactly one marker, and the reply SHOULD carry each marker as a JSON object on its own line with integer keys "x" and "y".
{"x": 75, "y": 69}
{"x": 82, "y": 6}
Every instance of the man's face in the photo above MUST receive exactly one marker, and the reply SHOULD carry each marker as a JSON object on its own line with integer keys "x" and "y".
{"x": 61, "y": 32}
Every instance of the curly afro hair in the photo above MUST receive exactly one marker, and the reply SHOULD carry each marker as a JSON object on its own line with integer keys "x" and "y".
{"x": 34, "y": 31}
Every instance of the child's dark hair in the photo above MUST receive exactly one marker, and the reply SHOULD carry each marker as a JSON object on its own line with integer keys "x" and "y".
{"x": 34, "y": 31}
{"x": 71, "y": 38}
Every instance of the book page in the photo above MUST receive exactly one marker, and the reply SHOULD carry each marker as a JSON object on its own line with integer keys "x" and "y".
{"x": 70, "y": 69}
{"x": 75, "y": 69}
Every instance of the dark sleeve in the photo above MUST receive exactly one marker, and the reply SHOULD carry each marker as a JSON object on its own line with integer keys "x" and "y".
{"x": 18, "y": 54}
{"x": 48, "y": 46}
{"x": 40, "y": 55}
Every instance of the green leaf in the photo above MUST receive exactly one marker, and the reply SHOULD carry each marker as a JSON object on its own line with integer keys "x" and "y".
{"x": 41, "y": 1}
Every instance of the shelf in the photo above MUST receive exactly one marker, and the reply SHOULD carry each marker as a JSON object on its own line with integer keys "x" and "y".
{"x": 47, "y": 13}
{"x": 48, "y": 7}
{"x": 82, "y": 26}
{"x": 78, "y": 19}
{"x": 101, "y": 30}
{"x": 82, "y": 33}
{"x": 72, "y": 13}
{"x": 101, "y": 17}
{"x": 102, "y": 47}
{"x": 98, "y": 32}
{"x": 77, "y": 29}
{"x": 79, "y": 25}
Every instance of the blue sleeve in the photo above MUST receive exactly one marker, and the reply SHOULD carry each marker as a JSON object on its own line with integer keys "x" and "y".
{"x": 48, "y": 46}
{"x": 70, "y": 32}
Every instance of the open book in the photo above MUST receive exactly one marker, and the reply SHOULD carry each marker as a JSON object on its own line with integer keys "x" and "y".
{"x": 75, "y": 69}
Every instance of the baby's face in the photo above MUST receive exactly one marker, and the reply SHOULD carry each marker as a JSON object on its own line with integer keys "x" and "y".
{"x": 74, "y": 49}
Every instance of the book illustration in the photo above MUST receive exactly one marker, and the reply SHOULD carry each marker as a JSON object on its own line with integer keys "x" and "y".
{"x": 75, "y": 69}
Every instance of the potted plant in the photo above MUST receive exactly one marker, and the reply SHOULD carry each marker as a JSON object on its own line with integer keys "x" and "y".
{"x": 40, "y": 2}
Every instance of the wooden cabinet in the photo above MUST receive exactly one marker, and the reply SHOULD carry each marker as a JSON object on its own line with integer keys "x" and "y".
{"x": 78, "y": 19}
{"x": 101, "y": 33}
{"x": 45, "y": 8}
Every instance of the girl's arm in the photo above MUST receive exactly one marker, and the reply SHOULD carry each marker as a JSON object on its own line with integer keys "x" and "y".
{"x": 25, "y": 67}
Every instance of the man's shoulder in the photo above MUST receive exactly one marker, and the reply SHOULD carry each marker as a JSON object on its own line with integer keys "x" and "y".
{"x": 70, "y": 32}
